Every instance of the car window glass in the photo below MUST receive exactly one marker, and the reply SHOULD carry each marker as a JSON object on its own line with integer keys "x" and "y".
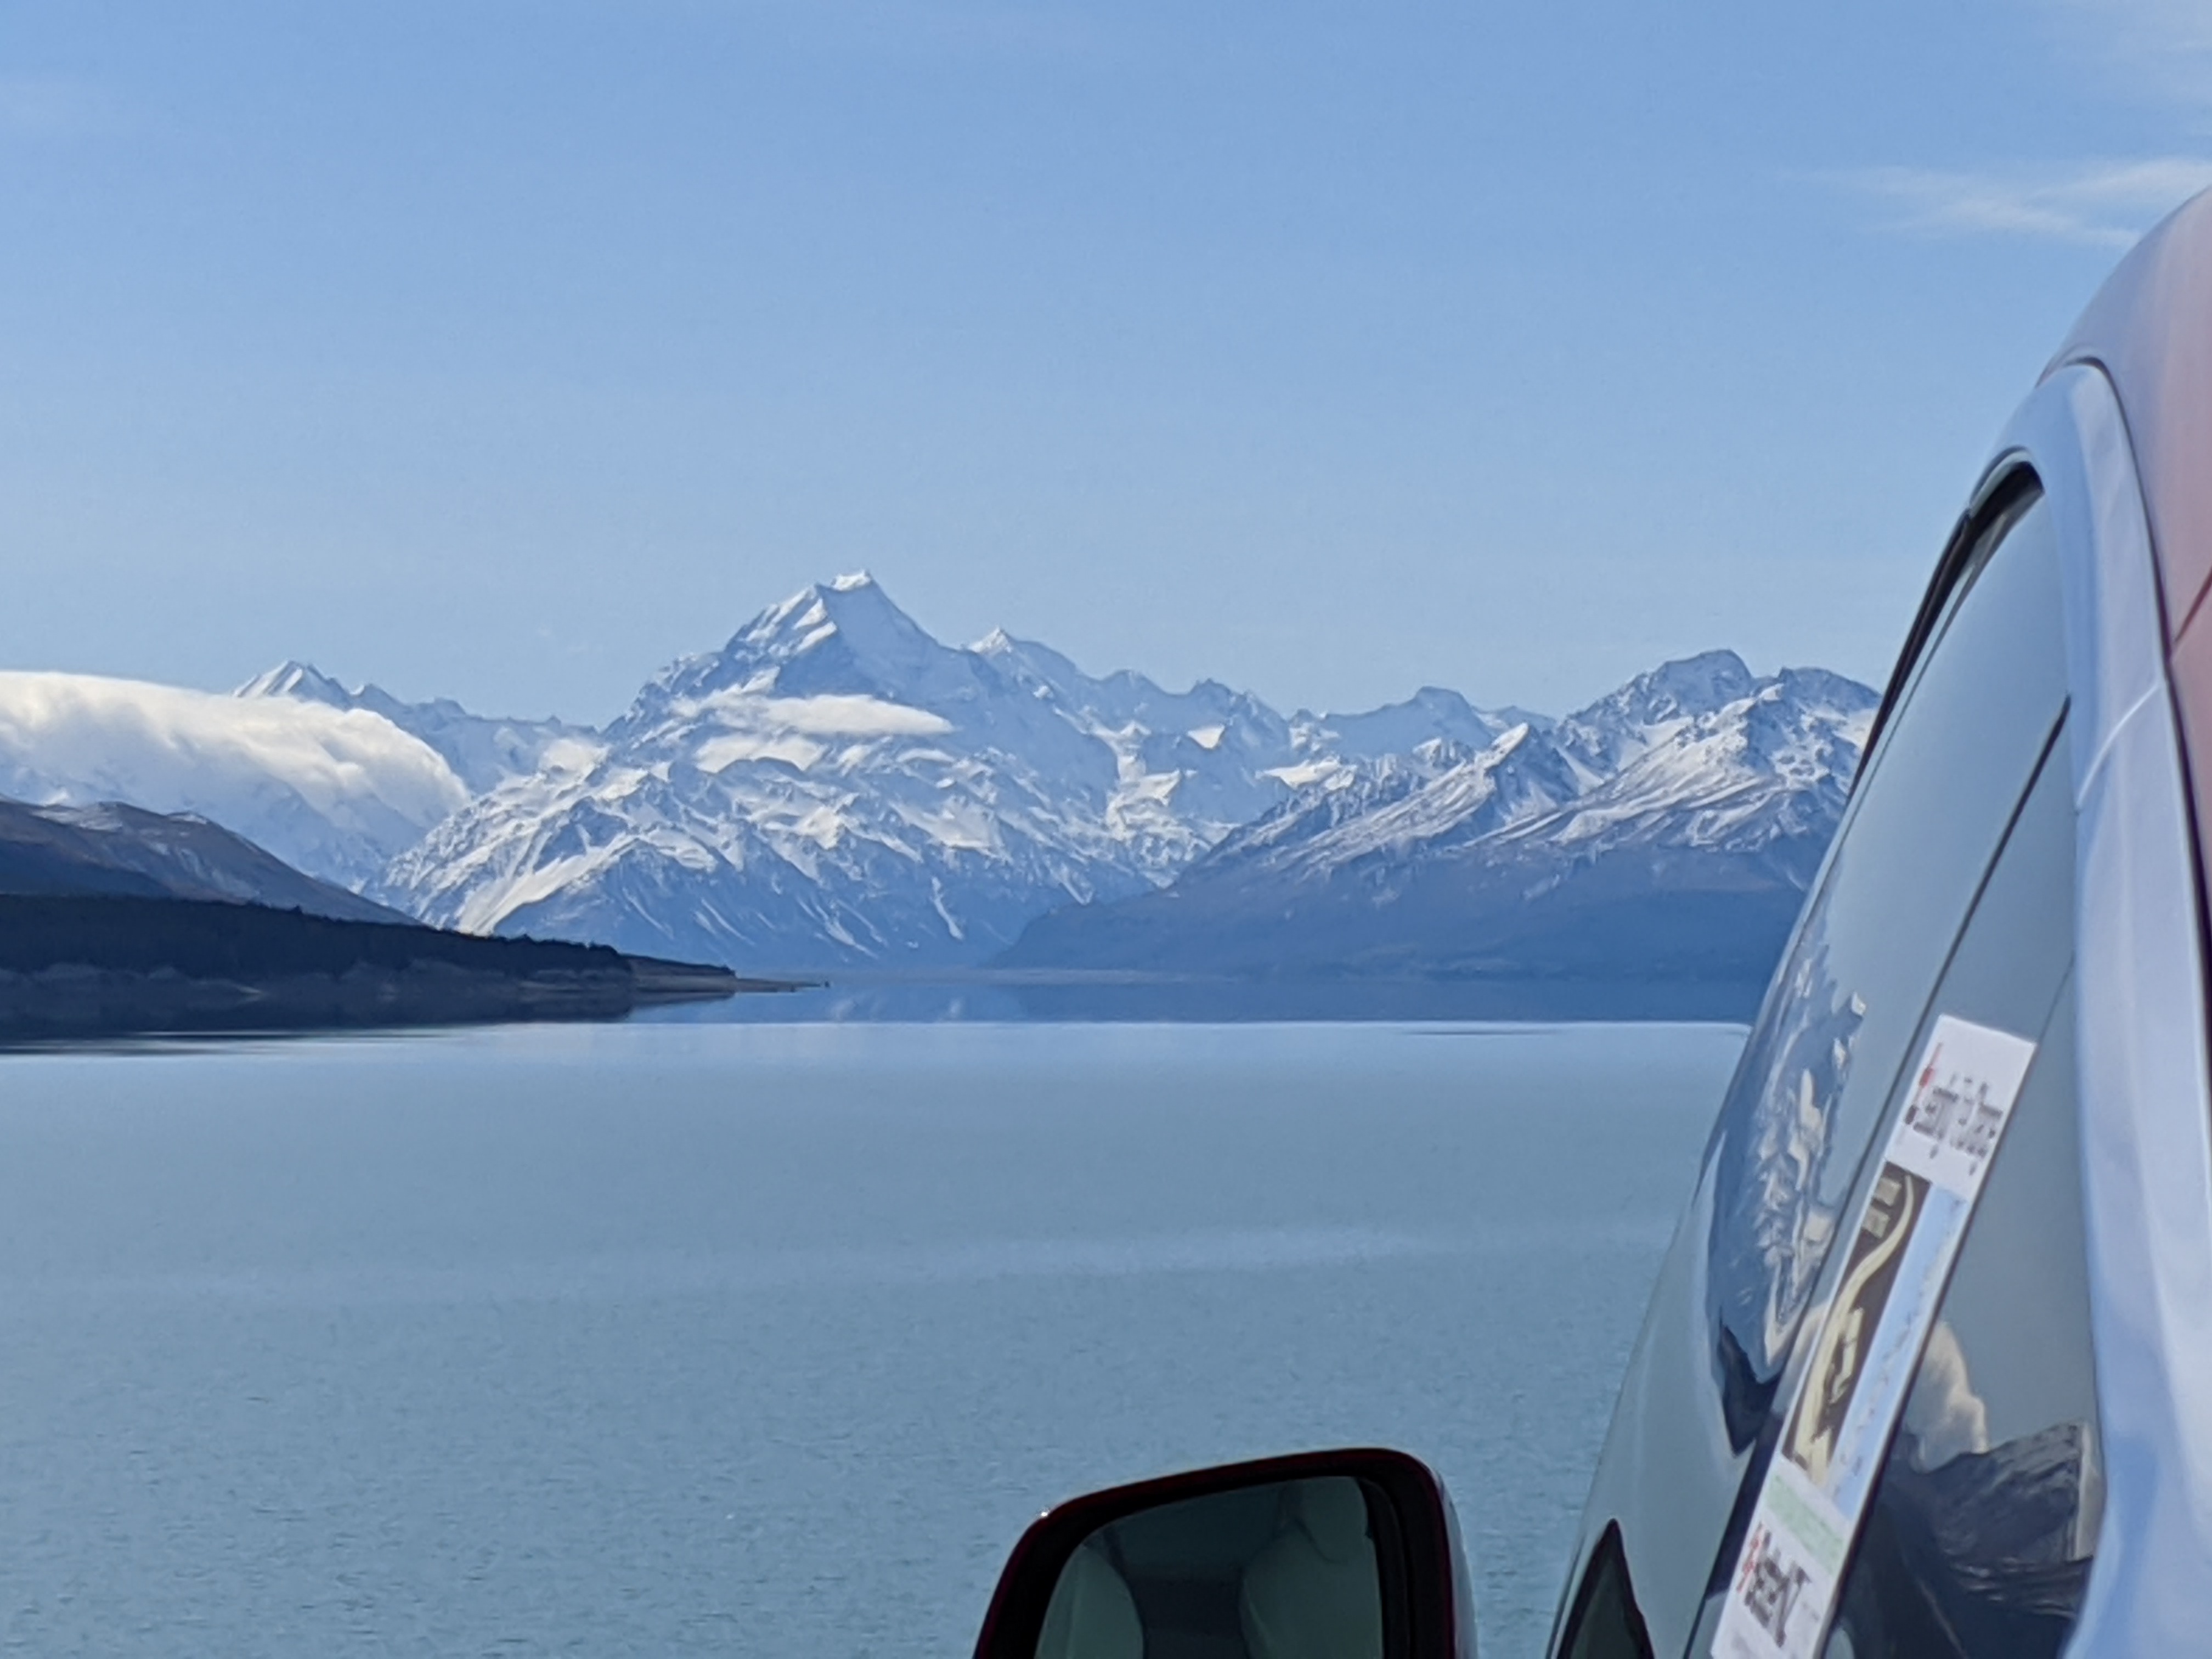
{"x": 1925, "y": 822}
{"x": 2010, "y": 1345}
{"x": 1979, "y": 1538}
{"x": 1605, "y": 1622}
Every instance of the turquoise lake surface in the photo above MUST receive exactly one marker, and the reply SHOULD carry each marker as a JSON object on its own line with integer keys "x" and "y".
{"x": 768, "y": 1340}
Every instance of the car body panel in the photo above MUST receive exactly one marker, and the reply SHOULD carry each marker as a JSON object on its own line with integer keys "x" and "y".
{"x": 2149, "y": 329}
{"x": 2146, "y": 1106}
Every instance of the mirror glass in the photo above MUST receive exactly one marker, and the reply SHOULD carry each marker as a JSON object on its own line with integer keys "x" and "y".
{"x": 1285, "y": 1571}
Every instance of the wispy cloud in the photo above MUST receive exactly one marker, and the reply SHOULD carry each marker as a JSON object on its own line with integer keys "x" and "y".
{"x": 2161, "y": 46}
{"x": 2105, "y": 204}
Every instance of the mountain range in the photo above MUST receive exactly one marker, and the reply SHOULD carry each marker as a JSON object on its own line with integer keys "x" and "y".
{"x": 833, "y": 789}
{"x": 1668, "y": 833}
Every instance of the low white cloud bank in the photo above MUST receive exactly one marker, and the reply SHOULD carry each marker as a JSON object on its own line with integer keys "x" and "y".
{"x": 828, "y": 716}
{"x": 336, "y": 793}
{"x": 800, "y": 730}
{"x": 2105, "y": 204}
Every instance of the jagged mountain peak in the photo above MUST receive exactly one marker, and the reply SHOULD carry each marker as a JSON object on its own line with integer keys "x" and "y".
{"x": 1437, "y": 792}
{"x": 1398, "y": 727}
{"x": 1682, "y": 689}
{"x": 1652, "y": 707}
{"x": 483, "y": 750}
{"x": 294, "y": 678}
{"x": 1038, "y": 668}
{"x": 845, "y": 636}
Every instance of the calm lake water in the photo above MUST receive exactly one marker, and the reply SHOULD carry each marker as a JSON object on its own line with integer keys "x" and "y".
{"x": 769, "y": 1340}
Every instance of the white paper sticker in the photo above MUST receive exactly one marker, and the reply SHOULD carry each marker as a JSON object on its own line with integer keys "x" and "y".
{"x": 1782, "y": 1591}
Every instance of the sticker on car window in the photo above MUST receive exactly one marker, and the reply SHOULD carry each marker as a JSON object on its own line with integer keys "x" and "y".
{"x": 1784, "y": 1588}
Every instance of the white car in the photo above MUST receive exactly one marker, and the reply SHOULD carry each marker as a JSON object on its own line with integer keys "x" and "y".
{"x": 1928, "y": 1369}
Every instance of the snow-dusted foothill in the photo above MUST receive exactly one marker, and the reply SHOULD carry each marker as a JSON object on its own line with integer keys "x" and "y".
{"x": 121, "y": 851}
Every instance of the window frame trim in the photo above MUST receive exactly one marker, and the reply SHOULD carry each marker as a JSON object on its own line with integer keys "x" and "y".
{"x": 2008, "y": 488}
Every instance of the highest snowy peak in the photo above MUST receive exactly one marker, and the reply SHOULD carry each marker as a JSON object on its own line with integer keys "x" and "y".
{"x": 844, "y": 636}
{"x": 834, "y": 783}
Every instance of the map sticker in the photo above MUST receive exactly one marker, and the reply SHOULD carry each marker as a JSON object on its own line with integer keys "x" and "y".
{"x": 1782, "y": 1591}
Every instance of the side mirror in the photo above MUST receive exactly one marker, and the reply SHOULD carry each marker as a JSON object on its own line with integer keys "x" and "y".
{"x": 1325, "y": 1555}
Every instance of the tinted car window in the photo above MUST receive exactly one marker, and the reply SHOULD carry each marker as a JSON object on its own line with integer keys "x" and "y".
{"x": 1980, "y": 1533}
{"x": 1985, "y": 1521}
{"x": 1925, "y": 821}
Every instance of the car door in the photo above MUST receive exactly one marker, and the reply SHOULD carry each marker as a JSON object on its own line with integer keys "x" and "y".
{"x": 1886, "y": 944}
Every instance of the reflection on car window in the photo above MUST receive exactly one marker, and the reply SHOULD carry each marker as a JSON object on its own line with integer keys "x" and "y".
{"x": 1927, "y": 819}
{"x": 1983, "y": 1525}
{"x": 1286, "y": 1572}
{"x": 1979, "y": 1538}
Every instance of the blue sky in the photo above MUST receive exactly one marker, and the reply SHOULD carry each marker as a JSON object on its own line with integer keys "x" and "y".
{"x": 507, "y": 350}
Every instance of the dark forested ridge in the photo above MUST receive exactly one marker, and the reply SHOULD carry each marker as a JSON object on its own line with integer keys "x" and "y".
{"x": 112, "y": 918}
{"x": 122, "y": 962}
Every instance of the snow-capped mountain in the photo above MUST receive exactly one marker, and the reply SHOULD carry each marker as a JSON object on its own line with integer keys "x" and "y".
{"x": 1620, "y": 725}
{"x": 1399, "y": 728}
{"x": 834, "y": 786}
{"x": 1669, "y": 828}
{"x": 484, "y": 752}
{"x": 335, "y": 792}
{"x": 1188, "y": 766}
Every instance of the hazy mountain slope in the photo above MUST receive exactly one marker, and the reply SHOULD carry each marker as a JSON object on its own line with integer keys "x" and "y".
{"x": 112, "y": 848}
{"x": 335, "y": 793}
